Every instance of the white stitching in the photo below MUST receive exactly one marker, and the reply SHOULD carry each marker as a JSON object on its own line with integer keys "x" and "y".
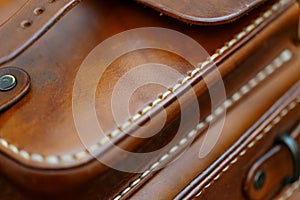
{"x": 266, "y": 130}
{"x": 206, "y": 121}
{"x": 73, "y": 157}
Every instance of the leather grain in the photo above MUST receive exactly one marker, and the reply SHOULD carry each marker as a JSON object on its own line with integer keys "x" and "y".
{"x": 278, "y": 167}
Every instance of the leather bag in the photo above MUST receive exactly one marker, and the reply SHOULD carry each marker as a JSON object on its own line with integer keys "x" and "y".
{"x": 149, "y": 99}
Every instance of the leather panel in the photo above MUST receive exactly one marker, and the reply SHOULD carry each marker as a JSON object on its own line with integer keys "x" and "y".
{"x": 278, "y": 167}
{"x": 203, "y": 12}
{"x": 37, "y": 158}
{"x": 52, "y": 76}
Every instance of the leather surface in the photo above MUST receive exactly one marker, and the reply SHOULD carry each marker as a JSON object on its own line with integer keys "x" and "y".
{"x": 204, "y": 12}
{"x": 254, "y": 149}
{"x": 47, "y": 121}
{"x": 278, "y": 166}
{"x": 8, "y": 8}
{"x": 32, "y": 19}
{"x": 51, "y": 77}
{"x": 166, "y": 182}
{"x": 38, "y": 132}
{"x": 230, "y": 175}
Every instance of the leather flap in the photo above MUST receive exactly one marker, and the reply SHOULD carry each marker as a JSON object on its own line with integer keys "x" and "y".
{"x": 206, "y": 12}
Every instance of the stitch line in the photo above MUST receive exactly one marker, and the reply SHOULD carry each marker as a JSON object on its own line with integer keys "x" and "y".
{"x": 265, "y": 131}
{"x": 70, "y": 158}
{"x": 285, "y": 56}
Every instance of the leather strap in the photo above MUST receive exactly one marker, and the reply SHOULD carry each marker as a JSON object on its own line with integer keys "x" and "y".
{"x": 277, "y": 168}
{"x": 30, "y": 23}
{"x": 293, "y": 147}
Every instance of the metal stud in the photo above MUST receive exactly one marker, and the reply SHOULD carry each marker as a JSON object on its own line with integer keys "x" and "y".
{"x": 259, "y": 180}
{"x": 7, "y": 82}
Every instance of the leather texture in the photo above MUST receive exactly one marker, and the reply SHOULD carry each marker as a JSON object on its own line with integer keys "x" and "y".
{"x": 278, "y": 166}
{"x": 39, "y": 143}
{"x": 238, "y": 163}
{"x": 166, "y": 182}
{"x": 203, "y": 12}
{"x": 28, "y": 23}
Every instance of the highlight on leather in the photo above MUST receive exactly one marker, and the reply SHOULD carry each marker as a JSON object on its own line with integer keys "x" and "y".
{"x": 98, "y": 62}
{"x": 206, "y": 12}
{"x": 114, "y": 100}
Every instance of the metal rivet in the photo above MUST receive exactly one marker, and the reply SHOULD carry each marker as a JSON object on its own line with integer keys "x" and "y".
{"x": 7, "y": 82}
{"x": 259, "y": 180}
{"x": 38, "y": 11}
{"x": 25, "y": 24}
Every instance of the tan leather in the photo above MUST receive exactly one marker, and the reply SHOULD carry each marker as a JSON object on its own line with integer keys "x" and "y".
{"x": 28, "y": 23}
{"x": 278, "y": 166}
{"x": 253, "y": 148}
{"x": 203, "y": 12}
{"x": 207, "y": 177}
{"x": 167, "y": 184}
{"x": 52, "y": 125}
{"x": 40, "y": 146}
{"x": 8, "y": 8}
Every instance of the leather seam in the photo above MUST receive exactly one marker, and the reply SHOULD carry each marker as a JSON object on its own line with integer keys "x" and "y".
{"x": 258, "y": 138}
{"x": 71, "y": 158}
{"x": 245, "y": 89}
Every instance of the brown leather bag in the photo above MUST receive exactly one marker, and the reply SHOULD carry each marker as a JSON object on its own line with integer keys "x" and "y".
{"x": 175, "y": 100}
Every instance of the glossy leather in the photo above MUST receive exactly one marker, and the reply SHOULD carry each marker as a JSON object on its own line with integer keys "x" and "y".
{"x": 278, "y": 166}
{"x": 28, "y": 23}
{"x": 206, "y": 12}
{"x": 39, "y": 129}
{"x": 232, "y": 175}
